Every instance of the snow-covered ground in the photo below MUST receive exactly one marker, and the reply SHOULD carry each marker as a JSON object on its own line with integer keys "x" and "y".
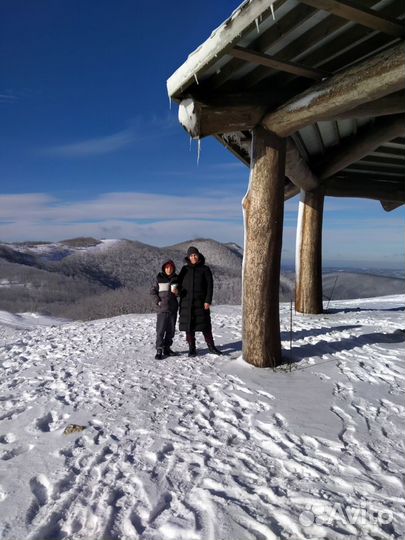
{"x": 206, "y": 448}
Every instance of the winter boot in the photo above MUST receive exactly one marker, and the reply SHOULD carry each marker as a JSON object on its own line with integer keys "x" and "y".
{"x": 159, "y": 354}
{"x": 168, "y": 352}
{"x": 192, "y": 351}
{"x": 213, "y": 350}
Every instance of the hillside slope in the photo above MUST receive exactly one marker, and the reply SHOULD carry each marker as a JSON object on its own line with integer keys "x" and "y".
{"x": 85, "y": 278}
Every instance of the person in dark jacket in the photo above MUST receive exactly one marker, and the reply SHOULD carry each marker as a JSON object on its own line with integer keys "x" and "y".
{"x": 165, "y": 292}
{"x": 196, "y": 288}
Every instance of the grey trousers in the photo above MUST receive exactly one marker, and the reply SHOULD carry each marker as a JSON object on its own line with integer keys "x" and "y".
{"x": 165, "y": 329}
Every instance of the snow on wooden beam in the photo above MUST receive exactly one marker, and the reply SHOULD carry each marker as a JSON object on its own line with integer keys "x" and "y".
{"x": 360, "y": 14}
{"x": 240, "y": 23}
{"x": 263, "y": 212}
{"x": 236, "y": 113}
{"x": 224, "y": 114}
{"x": 367, "y": 139}
{"x": 372, "y": 79}
{"x": 391, "y": 104}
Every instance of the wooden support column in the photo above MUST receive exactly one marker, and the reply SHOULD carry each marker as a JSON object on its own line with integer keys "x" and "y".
{"x": 263, "y": 212}
{"x": 308, "y": 289}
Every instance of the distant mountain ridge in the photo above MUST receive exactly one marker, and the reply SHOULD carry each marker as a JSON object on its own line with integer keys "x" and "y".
{"x": 89, "y": 278}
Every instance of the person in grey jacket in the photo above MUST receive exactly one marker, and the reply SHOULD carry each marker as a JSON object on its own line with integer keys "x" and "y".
{"x": 165, "y": 293}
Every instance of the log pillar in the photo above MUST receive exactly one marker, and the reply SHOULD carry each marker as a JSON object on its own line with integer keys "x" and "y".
{"x": 263, "y": 213}
{"x": 308, "y": 262}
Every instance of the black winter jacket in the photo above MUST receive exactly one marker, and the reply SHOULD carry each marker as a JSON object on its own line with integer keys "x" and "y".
{"x": 164, "y": 298}
{"x": 196, "y": 286}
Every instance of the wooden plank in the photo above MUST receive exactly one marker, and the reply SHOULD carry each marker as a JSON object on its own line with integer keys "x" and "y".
{"x": 384, "y": 161}
{"x": 360, "y": 145}
{"x": 312, "y": 38}
{"x": 258, "y": 58}
{"x": 379, "y": 76}
{"x": 371, "y": 176}
{"x": 360, "y": 166}
{"x": 352, "y": 186}
{"x": 355, "y": 12}
{"x": 393, "y": 153}
{"x": 264, "y": 212}
{"x": 270, "y": 37}
{"x": 318, "y": 136}
{"x": 225, "y": 37}
{"x": 342, "y": 50}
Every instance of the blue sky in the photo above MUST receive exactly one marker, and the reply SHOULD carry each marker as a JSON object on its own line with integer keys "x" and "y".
{"x": 89, "y": 145}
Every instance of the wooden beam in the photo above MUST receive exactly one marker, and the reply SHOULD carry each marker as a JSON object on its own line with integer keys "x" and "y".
{"x": 384, "y": 161}
{"x": 224, "y": 114}
{"x": 290, "y": 191}
{"x": 277, "y": 31}
{"x": 262, "y": 59}
{"x": 364, "y": 168}
{"x": 352, "y": 186}
{"x": 367, "y": 139}
{"x": 263, "y": 212}
{"x": 391, "y": 104}
{"x": 217, "y": 45}
{"x": 390, "y": 152}
{"x": 389, "y": 206}
{"x": 308, "y": 264}
{"x": 297, "y": 170}
{"x": 310, "y": 48}
{"x": 235, "y": 113}
{"x": 355, "y": 12}
{"x": 377, "y": 77}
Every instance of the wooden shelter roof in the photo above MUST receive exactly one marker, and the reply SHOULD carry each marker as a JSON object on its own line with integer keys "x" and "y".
{"x": 273, "y": 52}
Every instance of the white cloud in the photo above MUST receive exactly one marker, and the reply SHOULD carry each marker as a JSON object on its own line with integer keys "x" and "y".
{"x": 127, "y": 206}
{"x": 156, "y": 233}
{"x": 8, "y": 98}
{"x": 93, "y": 147}
{"x": 162, "y": 219}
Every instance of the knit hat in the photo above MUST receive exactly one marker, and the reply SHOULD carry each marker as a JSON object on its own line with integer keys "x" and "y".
{"x": 192, "y": 250}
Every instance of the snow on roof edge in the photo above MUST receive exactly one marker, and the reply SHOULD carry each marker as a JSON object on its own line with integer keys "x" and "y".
{"x": 220, "y": 40}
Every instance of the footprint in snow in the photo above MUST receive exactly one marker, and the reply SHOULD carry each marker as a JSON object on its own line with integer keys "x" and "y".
{"x": 41, "y": 488}
{"x": 13, "y": 452}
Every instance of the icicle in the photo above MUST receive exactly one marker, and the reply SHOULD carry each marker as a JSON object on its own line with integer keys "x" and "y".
{"x": 198, "y": 151}
{"x": 196, "y": 80}
{"x": 257, "y": 25}
{"x": 272, "y": 11}
{"x": 170, "y": 103}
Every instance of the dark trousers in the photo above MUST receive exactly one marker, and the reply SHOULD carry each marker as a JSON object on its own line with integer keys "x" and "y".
{"x": 209, "y": 340}
{"x": 165, "y": 329}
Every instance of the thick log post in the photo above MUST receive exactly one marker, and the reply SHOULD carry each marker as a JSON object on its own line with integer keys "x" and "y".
{"x": 263, "y": 212}
{"x": 308, "y": 290}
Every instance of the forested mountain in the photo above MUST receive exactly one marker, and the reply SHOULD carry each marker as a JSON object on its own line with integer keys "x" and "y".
{"x": 85, "y": 278}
